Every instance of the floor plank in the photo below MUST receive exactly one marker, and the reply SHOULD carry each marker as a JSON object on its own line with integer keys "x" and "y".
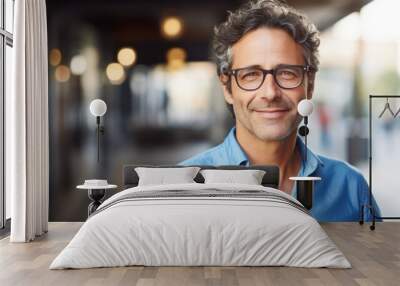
{"x": 374, "y": 255}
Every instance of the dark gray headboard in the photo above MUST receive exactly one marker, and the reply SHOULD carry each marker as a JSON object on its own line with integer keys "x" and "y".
{"x": 271, "y": 178}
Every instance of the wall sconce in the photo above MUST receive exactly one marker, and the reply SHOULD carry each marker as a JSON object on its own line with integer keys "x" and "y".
{"x": 98, "y": 108}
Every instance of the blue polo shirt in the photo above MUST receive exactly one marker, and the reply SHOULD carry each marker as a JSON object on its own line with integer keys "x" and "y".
{"x": 337, "y": 197}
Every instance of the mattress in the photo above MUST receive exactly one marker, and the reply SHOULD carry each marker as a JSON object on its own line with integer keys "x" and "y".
{"x": 201, "y": 225}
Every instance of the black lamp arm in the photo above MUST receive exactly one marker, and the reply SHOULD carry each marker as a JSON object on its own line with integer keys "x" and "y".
{"x": 99, "y": 130}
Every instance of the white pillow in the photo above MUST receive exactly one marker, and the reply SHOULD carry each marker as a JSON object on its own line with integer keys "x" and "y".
{"x": 248, "y": 177}
{"x": 162, "y": 176}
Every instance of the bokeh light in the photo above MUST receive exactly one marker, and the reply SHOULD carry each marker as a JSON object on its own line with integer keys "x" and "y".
{"x": 78, "y": 65}
{"x": 115, "y": 73}
{"x": 172, "y": 27}
{"x": 62, "y": 73}
{"x": 55, "y": 57}
{"x": 176, "y": 58}
{"x": 126, "y": 56}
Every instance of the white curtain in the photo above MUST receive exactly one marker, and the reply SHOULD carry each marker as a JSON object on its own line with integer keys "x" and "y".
{"x": 27, "y": 124}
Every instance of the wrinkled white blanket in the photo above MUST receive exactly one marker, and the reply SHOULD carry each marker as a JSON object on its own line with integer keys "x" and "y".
{"x": 167, "y": 225}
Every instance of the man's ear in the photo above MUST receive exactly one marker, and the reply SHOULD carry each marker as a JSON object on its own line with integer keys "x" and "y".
{"x": 227, "y": 94}
{"x": 310, "y": 84}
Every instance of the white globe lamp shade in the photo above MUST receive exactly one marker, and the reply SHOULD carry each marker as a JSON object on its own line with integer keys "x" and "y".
{"x": 98, "y": 107}
{"x": 305, "y": 107}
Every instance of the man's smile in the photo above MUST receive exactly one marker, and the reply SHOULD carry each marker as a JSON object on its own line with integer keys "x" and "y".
{"x": 272, "y": 113}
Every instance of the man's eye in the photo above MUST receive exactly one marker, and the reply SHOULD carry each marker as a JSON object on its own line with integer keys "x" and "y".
{"x": 250, "y": 75}
{"x": 287, "y": 74}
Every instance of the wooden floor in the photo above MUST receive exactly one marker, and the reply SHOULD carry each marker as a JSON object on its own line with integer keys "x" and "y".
{"x": 374, "y": 255}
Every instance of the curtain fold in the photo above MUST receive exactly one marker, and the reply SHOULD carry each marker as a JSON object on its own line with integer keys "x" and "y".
{"x": 27, "y": 118}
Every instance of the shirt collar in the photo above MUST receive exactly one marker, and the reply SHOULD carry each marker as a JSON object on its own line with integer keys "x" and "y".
{"x": 237, "y": 156}
{"x": 312, "y": 159}
{"x": 234, "y": 152}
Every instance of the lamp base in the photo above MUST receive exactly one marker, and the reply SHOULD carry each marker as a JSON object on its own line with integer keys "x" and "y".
{"x": 96, "y": 196}
{"x": 305, "y": 190}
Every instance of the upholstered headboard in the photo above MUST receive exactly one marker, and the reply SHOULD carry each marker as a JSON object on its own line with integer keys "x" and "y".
{"x": 271, "y": 178}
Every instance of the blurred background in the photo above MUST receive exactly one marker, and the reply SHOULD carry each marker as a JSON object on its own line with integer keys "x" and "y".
{"x": 150, "y": 62}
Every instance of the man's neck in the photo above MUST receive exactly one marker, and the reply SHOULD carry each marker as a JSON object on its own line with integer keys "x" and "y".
{"x": 281, "y": 153}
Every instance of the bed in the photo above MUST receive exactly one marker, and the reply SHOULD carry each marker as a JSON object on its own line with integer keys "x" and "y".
{"x": 201, "y": 224}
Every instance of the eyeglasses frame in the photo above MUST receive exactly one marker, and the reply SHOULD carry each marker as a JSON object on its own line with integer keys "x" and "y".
{"x": 305, "y": 69}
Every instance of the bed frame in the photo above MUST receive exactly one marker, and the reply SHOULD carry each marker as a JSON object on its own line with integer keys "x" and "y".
{"x": 271, "y": 178}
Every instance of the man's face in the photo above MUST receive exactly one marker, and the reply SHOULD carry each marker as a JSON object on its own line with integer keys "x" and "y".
{"x": 270, "y": 112}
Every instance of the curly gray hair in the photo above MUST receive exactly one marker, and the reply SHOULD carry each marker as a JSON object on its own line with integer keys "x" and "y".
{"x": 263, "y": 13}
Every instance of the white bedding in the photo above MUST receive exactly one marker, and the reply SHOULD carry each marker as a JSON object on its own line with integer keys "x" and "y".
{"x": 189, "y": 230}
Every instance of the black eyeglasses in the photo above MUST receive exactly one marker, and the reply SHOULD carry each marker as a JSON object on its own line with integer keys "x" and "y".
{"x": 286, "y": 76}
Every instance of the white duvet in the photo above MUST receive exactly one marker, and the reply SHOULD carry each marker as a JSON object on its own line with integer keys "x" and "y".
{"x": 183, "y": 231}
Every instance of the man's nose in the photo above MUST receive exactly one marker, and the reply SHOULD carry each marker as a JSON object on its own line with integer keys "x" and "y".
{"x": 269, "y": 89}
